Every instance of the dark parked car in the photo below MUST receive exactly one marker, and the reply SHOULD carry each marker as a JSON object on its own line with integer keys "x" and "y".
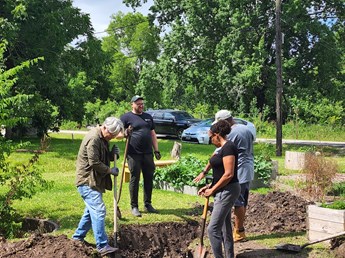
{"x": 171, "y": 122}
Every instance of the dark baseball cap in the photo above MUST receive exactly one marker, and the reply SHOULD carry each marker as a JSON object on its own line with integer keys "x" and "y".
{"x": 136, "y": 97}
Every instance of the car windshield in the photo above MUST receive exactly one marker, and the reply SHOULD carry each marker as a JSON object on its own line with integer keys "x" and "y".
{"x": 182, "y": 115}
{"x": 206, "y": 122}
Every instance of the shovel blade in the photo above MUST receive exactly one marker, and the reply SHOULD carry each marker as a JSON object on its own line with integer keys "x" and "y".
{"x": 200, "y": 252}
{"x": 289, "y": 248}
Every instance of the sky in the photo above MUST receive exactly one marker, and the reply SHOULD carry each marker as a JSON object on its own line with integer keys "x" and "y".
{"x": 101, "y": 10}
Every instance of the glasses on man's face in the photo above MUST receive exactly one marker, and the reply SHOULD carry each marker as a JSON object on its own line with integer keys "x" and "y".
{"x": 140, "y": 104}
{"x": 213, "y": 135}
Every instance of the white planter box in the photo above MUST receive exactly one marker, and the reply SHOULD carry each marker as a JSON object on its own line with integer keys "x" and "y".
{"x": 192, "y": 190}
{"x": 324, "y": 222}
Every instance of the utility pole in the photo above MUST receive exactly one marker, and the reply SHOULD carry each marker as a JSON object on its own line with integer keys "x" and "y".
{"x": 279, "y": 87}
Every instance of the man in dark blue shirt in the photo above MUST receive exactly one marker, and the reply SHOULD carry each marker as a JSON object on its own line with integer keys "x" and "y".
{"x": 140, "y": 157}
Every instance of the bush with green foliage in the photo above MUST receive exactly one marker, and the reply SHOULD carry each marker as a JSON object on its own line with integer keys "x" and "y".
{"x": 337, "y": 205}
{"x": 180, "y": 173}
{"x": 20, "y": 181}
{"x": 16, "y": 182}
{"x": 263, "y": 168}
{"x": 318, "y": 111}
{"x": 187, "y": 168}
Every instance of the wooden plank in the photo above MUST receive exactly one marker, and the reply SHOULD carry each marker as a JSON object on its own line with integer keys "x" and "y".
{"x": 158, "y": 163}
{"x": 315, "y": 235}
{"x": 327, "y": 227}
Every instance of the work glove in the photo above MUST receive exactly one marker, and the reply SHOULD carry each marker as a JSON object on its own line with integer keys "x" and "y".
{"x": 114, "y": 171}
{"x": 157, "y": 155}
{"x": 115, "y": 150}
{"x": 129, "y": 131}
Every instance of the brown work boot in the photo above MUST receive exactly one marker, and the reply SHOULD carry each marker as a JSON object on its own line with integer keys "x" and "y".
{"x": 239, "y": 235}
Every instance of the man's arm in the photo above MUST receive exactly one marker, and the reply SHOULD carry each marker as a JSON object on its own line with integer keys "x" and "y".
{"x": 154, "y": 140}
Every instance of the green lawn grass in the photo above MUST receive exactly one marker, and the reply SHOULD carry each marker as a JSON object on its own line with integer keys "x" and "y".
{"x": 63, "y": 204}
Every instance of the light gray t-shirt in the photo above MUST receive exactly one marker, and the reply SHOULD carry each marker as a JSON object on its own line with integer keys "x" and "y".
{"x": 242, "y": 137}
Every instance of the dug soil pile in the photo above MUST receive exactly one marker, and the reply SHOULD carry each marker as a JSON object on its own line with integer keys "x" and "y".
{"x": 267, "y": 214}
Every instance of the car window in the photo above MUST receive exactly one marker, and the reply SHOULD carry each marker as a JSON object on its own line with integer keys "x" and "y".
{"x": 182, "y": 115}
{"x": 168, "y": 116}
{"x": 158, "y": 116}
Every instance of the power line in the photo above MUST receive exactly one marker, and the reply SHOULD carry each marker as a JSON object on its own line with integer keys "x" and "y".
{"x": 121, "y": 27}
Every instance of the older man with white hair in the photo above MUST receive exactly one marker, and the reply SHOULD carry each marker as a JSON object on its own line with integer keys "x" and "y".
{"x": 93, "y": 178}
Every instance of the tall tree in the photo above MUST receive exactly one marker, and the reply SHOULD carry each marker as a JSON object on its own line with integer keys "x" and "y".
{"x": 132, "y": 41}
{"x": 42, "y": 28}
{"x": 225, "y": 50}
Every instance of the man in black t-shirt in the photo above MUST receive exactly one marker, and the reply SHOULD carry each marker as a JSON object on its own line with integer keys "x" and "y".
{"x": 140, "y": 157}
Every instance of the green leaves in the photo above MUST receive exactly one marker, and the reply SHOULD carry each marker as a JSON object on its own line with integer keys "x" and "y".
{"x": 180, "y": 173}
{"x": 263, "y": 168}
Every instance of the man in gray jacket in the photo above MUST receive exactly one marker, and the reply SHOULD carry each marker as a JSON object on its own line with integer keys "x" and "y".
{"x": 93, "y": 178}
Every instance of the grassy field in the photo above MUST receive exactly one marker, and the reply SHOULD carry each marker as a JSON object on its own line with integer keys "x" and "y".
{"x": 63, "y": 204}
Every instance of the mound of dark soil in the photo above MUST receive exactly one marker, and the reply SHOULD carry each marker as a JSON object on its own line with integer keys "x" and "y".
{"x": 274, "y": 212}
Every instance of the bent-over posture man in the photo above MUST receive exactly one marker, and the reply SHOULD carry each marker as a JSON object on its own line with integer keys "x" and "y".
{"x": 93, "y": 178}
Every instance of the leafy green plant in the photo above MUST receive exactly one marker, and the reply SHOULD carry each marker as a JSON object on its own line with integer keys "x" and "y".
{"x": 263, "y": 168}
{"x": 338, "y": 189}
{"x": 338, "y": 205}
{"x": 16, "y": 182}
{"x": 180, "y": 173}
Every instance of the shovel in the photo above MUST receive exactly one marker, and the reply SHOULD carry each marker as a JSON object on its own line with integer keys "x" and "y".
{"x": 123, "y": 167}
{"x": 200, "y": 251}
{"x": 117, "y": 212}
{"x": 298, "y": 248}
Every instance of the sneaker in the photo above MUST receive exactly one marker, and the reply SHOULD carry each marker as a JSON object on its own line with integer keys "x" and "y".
{"x": 150, "y": 209}
{"x": 107, "y": 250}
{"x": 136, "y": 212}
{"x": 239, "y": 236}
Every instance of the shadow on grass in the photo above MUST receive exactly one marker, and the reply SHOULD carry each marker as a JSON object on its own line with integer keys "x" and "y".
{"x": 281, "y": 252}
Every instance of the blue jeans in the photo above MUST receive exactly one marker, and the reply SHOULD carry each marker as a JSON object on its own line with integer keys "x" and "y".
{"x": 94, "y": 216}
{"x": 219, "y": 229}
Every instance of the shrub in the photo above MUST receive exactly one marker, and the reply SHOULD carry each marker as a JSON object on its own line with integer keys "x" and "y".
{"x": 180, "y": 173}
{"x": 263, "y": 168}
{"x": 16, "y": 182}
{"x": 319, "y": 173}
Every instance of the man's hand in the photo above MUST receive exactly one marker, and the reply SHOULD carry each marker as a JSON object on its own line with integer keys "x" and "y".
{"x": 115, "y": 150}
{"x": 129, "y": 131}
{"x": 114, "y": 171}
{"x": 157, "y": 155}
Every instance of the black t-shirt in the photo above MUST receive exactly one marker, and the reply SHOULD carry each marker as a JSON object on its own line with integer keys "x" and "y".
{"x": 216, "y": 162}
{"x": 141, "y": 139}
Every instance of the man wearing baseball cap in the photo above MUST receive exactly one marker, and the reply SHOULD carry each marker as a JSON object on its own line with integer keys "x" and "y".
{"x": 142, "y": 143}
{"x": 243, "y": 139}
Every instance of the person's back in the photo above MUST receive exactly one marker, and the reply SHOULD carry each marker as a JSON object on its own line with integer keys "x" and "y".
{"x": 243, "y": 139}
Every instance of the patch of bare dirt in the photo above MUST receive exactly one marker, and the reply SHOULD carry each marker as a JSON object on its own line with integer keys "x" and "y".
{"x": 275, "y": 212}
